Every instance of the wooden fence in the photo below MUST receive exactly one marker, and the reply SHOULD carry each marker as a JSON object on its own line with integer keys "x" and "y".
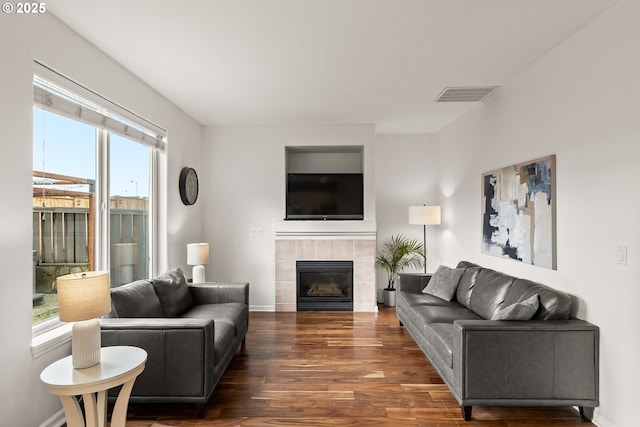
{"x": 61, "y": 235}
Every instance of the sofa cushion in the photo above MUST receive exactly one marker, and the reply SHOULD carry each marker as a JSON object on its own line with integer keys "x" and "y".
{"x": 222, "y": 339}
{"x": 233, "y": 313}
{"x": 422, "y": 315}
{"x": 137, "y": 299}
{"x": 553, "y": 304}
{"x": 440, "y": 336}
{"x": 467, "y": 264}
{"x": 444, "y": 282}
{"x": 489, "y": 292}
{"x": 173, "y": 292}
{"x": 466, "y": 284}
{"x": 411, "y": 298}
{"x": 523, "y": 310}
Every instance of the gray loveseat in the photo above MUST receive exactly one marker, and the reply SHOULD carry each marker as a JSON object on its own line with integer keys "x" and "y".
{"x": 190, "y": 333}
{"x": 534, "y": 355}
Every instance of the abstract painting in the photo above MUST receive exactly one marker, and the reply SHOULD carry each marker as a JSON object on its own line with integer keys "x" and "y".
{"x": 519, "y": 212}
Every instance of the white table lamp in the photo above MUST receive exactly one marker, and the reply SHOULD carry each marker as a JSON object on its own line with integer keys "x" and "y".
{"x": 198, "y": 256}
{"x": 425, "y": 215}
{"x": 82, "y": 297}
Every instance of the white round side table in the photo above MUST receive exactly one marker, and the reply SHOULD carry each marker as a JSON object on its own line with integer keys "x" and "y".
{"x": 118, "y": 365}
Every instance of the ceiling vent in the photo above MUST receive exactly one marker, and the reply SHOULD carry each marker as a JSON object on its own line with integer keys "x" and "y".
{"x": 465, "y": 94}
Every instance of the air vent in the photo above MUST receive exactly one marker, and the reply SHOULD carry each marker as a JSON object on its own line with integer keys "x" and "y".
{"x": 465, "y": 94}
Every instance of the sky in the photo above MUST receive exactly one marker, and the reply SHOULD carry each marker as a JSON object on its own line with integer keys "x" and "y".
{"x": 68, "y": 147}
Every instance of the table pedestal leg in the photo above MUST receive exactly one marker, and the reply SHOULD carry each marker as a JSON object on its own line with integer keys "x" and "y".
{"x": 72, "y": 411}
{"x": 102, "y": 408}
{"x": 119, "y": 415}
{"x": 90, "y": 410}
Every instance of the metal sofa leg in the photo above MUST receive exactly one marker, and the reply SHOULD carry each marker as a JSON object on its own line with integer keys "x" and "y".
{"x": 466, "y": 412}
{"x": 586, "y": 413}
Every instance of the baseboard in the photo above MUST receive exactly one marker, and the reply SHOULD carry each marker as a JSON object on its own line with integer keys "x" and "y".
{"x": 598, "y": 419}
{"x": 601, "y": 421}
{"x": 57, "y": 420}
{"x": 269, "y": 308}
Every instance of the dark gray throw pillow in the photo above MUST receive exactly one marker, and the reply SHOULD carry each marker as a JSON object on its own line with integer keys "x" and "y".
{"x": 173, "y": 292}
{"x": 137, "y": 299}
{"x": 523, "y": 310}
{"x": 444, "y": 282}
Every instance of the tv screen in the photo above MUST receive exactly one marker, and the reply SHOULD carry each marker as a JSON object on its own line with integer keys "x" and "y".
{"x": 330, "y": 196}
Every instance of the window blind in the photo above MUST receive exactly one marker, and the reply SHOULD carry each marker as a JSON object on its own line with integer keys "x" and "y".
{"x": 57, "y": 94}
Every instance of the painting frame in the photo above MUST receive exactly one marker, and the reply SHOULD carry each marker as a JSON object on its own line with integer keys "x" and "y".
{"x": 519, "y": 212}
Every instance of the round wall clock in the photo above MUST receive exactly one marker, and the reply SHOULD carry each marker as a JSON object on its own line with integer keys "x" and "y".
{"x": 188, "y": 185}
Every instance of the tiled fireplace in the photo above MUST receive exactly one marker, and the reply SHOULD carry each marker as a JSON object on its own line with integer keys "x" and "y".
{"x": 326, "y": 242}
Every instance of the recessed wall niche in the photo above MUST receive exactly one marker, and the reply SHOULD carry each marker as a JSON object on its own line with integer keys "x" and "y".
{"x": 324, "y": 159}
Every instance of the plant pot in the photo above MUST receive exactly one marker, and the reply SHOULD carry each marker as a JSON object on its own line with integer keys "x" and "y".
{"x": 389, "y": 297}
{"x": 380, "y": 295}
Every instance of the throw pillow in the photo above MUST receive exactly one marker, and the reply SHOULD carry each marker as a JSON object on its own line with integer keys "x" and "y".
{"x": 173, "y": 292}
{"x": 137, "y": 299}
{"x": 444, "y": 282}
{"x": 523, "y": 310}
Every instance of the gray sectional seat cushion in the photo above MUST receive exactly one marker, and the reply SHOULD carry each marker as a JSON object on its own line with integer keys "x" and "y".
{"x": 233, "y": 313}
{"x": 440, "y": 335}
{"x": 501, "y": 340}
{"x": 190, "y": 332}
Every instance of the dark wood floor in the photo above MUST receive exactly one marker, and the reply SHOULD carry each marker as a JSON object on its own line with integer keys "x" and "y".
{"x": 335, "y": 369}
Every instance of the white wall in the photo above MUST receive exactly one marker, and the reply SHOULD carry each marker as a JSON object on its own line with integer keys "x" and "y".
{"x": 245, "y": 188}
{"x": 24, "y": 400}
{"x": 406, "y": 174}
{"x": 580, "y": 103}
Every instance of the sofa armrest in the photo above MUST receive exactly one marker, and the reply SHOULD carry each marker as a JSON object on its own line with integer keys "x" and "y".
{"x": 414, "y": 283}
{"x": 219, "y": 292}
{"x": 154, "y": 323}
{"x": 554, "y": 360}
{"x": 180, "y": 353}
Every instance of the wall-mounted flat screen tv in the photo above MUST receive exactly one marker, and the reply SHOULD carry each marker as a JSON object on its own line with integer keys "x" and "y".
{"x": 325, "y": 196}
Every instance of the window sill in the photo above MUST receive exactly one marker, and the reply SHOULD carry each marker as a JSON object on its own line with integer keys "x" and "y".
{"x": 50, "y": 340}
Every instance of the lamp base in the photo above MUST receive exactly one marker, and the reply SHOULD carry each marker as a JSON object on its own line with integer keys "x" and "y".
{"x": 198, "y": 274}
{"x": 85, "y": 344}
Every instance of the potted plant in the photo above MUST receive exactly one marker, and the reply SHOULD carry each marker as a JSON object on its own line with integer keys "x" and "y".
{"x": 397, "y": 253}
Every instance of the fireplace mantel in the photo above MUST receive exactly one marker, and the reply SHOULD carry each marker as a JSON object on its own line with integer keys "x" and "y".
{"x": 326, "y": 229}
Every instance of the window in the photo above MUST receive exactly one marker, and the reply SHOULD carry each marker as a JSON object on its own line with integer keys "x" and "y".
{"x": 93, "y": 189}
{"x": 129, "y": 173}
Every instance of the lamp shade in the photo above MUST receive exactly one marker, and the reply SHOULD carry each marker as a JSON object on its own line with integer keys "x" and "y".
{"x": 83, "y": 296}
{"x": 198, "y": 253}
{"x": 424, "y": 215}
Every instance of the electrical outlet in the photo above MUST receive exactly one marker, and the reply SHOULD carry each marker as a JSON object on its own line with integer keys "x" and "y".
{"x": 621, "y": 255}
{"x": 253, "y": 232}
{"x": 260, "y": 233}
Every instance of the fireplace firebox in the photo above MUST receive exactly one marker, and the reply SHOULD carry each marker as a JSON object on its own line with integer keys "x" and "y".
{"x": 324, "y": 285}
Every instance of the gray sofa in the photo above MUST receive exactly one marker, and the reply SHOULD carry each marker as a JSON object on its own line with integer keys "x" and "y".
{"x": 190, "y": 332}
{"x": 535, "y": 355}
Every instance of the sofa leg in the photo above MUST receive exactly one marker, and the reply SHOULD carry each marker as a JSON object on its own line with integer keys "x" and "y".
{"x": 400, "y": 322}
{"x": 201, "y": 409}
{"x": 586, "y": 413}
{"x": 466, "y": 412}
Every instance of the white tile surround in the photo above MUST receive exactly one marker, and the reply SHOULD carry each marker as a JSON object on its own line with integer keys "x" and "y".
{"x": 326, "y": 241}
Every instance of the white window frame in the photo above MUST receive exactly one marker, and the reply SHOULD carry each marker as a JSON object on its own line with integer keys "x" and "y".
{"x": 74, "y": 101}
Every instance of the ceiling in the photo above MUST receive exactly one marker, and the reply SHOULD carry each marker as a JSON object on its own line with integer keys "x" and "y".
{"x": 382, "y": 62}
